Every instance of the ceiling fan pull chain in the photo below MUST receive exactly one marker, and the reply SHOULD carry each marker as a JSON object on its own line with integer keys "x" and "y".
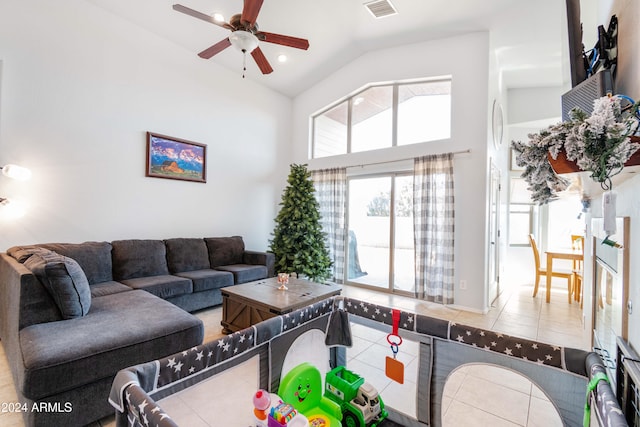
{"x": 244, "y": 62}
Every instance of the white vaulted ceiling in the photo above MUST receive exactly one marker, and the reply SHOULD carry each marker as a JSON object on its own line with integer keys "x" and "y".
{"x": 529, "y": 37}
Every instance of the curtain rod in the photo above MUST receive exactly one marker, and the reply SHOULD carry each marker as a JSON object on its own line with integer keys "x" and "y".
{"x": 468, "y": 150}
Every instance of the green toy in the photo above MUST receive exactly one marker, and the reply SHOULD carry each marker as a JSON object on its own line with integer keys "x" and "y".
{"x": 302, "y": 388}
{"x": 360, "y": 402}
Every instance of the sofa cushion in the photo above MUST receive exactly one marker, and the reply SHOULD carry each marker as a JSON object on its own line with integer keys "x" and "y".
{"x": 138, "y": 258}
{"x": 205, "y": 280}
{"x": 161, "y": 286}
{"x": 225, "y": 250}
{"x": 108, "y": 288}
{"x": 64, "y": 280}
{"x": 93, "y": 257}
{"x": 245, "y": 272}
{"x": 121, "y": 330}
{"x": 186, "y": 255}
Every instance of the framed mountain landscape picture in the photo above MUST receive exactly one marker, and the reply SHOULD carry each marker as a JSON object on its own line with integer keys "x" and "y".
{"x": 174, "y": 158}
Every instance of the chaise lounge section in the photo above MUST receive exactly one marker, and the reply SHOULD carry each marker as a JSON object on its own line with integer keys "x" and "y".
{"x": 74, "y": 314}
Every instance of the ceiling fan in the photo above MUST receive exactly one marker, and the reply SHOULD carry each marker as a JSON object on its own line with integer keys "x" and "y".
{"x": 245, "y": 34}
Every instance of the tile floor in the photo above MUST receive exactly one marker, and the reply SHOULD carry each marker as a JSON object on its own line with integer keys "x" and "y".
{"x": 515, "y": 312}
{"x": 213, "y": 403}
{"x": 507, "y": 400}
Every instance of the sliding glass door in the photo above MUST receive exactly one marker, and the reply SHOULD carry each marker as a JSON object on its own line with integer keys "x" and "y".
{"x": 380, "y": 239}
{"x": 368, "y": 237}
{"x": 404, "y": 271}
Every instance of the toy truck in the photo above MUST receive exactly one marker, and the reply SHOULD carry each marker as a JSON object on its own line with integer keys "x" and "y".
{"x": 360, "y": 402}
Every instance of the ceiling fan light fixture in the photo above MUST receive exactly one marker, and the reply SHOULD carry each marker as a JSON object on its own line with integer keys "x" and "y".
{"x": 244, "y": 41}
{"x": 244, "y": 35}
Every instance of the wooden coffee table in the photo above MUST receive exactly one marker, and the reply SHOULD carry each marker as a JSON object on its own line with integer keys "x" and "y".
{"x": 249, "y": 303}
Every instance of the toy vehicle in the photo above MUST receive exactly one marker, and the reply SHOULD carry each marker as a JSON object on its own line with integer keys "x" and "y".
{"x": 360, "y": 402}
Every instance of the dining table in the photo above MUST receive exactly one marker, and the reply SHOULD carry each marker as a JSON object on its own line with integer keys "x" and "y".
{"x": 561, "y": 253}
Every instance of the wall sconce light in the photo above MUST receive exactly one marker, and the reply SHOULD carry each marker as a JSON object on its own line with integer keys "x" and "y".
{"x": 11, "y": 209}
{"x": 18, "y": 173}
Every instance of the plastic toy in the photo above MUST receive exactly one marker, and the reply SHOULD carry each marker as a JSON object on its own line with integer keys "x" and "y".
{"x": 302, "y": 388}
{"x": 360, "y": 402}
{"x": 270, "y": 411}
{"x": 261, "y": 405}
{"x": 281, "y": 415}
{"x": 394, "y": 368}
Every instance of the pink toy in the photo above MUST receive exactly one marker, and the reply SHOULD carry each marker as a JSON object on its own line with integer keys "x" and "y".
{"x": 261, "y": 404}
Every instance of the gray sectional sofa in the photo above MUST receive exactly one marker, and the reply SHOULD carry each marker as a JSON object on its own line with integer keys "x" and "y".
{"x": 74, "y": 314}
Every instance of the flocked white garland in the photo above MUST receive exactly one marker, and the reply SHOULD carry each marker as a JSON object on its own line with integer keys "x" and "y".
{"x": 598, "y": 143}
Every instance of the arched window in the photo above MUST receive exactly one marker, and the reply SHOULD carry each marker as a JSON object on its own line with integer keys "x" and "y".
{"x": 384, "y": 115}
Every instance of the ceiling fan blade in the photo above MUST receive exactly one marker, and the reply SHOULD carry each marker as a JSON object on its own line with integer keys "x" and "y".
{"x": 250, "y": 11}
{"x": 216, "y": 48}
{"x": 200, "y": 15}
{"x": 296, "y": 42}
{"x": 262, "y": 62}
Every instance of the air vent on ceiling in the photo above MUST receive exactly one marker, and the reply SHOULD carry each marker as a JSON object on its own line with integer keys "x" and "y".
{"x": 381, "y": 8}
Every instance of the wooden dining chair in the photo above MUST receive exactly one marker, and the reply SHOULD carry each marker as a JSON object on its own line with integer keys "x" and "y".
{"x": 542, "y": 271}
{"x": 577, "y": 244}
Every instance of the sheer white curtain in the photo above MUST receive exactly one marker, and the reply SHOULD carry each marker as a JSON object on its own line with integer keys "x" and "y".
{"x": 331, "y": 193}
{"x": 433, "y": 222}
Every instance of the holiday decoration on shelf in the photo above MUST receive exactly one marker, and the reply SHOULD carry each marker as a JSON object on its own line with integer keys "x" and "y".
{"x": 298, "y": 243}
{"x": 600, "y": 143}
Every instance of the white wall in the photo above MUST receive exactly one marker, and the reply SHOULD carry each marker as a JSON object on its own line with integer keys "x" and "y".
{"x": 465, "y": 58}
{"x": 533, "y": 104}
{"x": 79, "y": 89}
{"x": 497, "y": 159}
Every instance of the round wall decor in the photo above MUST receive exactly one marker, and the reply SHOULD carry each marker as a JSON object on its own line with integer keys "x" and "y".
{"x": 497, "y": 125}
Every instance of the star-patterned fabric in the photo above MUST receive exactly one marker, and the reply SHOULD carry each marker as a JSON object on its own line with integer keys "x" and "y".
{"x": 606, "y": 403}
{"x": 543, "y": 354}
{"x": 143, "y": 411}
{"x": 379, "y": 313}
{"x": 189, "y": 362}
{"x": 299, "y": 317}
{"x": 180, "y": 365}
{"x": 532, "y": 351}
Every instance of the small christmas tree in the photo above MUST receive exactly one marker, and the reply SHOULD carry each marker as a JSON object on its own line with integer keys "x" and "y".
{"x": 298, "y": 240}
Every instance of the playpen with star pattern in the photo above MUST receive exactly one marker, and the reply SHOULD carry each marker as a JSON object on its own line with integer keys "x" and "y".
{"x": 563, "y": 374}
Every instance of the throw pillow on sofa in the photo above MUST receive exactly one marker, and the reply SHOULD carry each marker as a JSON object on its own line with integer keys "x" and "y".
{"x": 186, "y": 254}
{"x": 64, "y": 279}
{"x": 135, "y": 258}
{"x": 225, "y": 250}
